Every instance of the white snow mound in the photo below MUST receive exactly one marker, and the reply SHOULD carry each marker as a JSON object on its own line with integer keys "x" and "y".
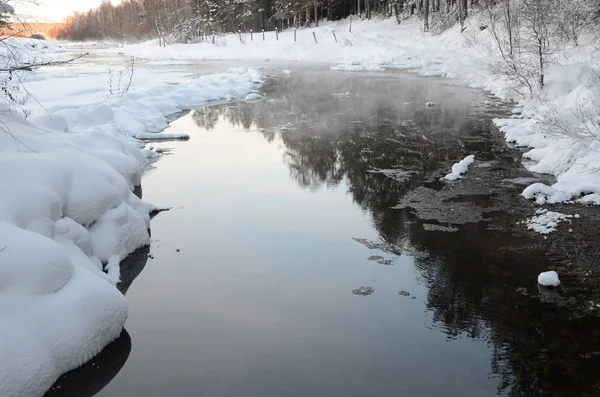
{"x": 549, "y": 279}
{"x": 253, "y": 97}
{"x": 460, "y": 168}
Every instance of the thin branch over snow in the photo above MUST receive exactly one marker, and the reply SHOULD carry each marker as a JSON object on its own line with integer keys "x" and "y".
{"x": 28, "y": 67}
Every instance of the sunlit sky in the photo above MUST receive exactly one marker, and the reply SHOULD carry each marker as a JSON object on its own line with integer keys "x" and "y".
{"x": 51, "y": 10}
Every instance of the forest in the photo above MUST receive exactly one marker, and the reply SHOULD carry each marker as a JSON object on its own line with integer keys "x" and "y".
{"x": 194, "y": 20}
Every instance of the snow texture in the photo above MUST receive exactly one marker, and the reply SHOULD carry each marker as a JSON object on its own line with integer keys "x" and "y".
{"x": 549, "y": 279}
{"x": 68, "y": 215}
{"x": 545, "y": 222}
{"x": 460, "y": 168}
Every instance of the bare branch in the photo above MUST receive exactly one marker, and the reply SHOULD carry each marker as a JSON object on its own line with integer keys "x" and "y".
{"x": 29, "y": 67}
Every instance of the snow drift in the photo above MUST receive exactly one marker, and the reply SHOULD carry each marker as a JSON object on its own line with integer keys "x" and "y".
{"x": 59, "y": 307}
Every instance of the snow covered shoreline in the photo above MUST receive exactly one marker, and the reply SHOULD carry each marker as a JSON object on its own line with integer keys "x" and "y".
{"x": 68, "y": 214}
{"x": 468, "y": 57}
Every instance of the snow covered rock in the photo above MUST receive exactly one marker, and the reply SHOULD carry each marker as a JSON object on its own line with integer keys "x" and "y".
{"x": 460, "y": 168}
{"x": 549, "y": 279}
{"x": 364, "y": 291}
{"x": 253, "y": 97}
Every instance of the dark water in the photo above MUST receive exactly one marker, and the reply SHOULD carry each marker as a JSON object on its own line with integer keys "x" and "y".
{"x": 247, "y": 289}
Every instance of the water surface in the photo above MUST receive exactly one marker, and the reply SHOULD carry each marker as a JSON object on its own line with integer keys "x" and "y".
{"x": 246, "y": 290}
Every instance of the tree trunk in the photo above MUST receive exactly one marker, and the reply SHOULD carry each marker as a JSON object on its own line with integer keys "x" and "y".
{"x": 426, "y": 15}
{"x": 541, "y": 56}
{"x": 316, "y": 14}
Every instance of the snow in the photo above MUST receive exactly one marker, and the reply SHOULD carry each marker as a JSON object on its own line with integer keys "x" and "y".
{"x": 545, "y": 222}
{"x": 549, "y": 279}
{"x": 68, "y": 214}
{"x": 460, "y": 168}
{"x": 543, "y": 194}
{"x": 253, "y": 97}
{"x": 470, "y": 57}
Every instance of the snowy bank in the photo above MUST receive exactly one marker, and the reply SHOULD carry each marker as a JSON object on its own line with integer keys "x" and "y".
{"x": 68, "y": 214}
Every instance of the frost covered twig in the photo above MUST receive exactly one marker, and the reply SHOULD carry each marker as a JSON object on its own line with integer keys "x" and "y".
{"x": 115, "y": 88}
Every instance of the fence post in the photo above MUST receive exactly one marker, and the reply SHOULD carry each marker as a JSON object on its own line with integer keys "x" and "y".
{"x": 277, "y": 34}
{"x": 350, "y": 29}
{"x": 333, "y": 31}
{"x": 263, "y": 32}
{"x": 294, "y": 35}
{"x": 251, "y": 37}
{"x": 213, "y": 39}
{"x": 240, "y": 34}
{"x": 315, "y": 37}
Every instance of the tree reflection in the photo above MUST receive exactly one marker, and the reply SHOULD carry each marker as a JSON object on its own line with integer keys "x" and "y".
{"x": 539, "y": 349}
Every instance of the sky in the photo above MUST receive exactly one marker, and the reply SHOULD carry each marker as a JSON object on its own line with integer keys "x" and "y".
{"x": 51, "y": 10}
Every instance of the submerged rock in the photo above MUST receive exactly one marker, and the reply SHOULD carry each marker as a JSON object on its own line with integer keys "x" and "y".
{"x": 363, "y": 291}
{"x": 404, "y": 293}
{"x": 375, "y": 258}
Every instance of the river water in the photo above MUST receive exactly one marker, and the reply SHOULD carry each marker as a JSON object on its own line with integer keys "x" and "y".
{"x": 277, "y": 210}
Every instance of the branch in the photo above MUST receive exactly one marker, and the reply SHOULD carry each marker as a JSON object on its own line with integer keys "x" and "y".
{"x": 35, "y": 65}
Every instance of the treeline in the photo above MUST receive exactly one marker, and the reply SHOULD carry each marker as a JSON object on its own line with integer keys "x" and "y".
{"x": 192, "y": 20}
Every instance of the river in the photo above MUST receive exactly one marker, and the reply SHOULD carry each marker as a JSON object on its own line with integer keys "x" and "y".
{"x": 280, "y": 209}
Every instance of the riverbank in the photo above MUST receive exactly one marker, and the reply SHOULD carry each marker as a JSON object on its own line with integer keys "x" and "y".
{"x": 471, "y": 57}
{"x": 68, "y": 212}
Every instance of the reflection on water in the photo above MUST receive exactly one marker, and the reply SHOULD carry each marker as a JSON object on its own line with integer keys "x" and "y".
{"x": 249, "y": 289}
{"x": 472, "y": 279}
{"x": 89, "y": 379}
